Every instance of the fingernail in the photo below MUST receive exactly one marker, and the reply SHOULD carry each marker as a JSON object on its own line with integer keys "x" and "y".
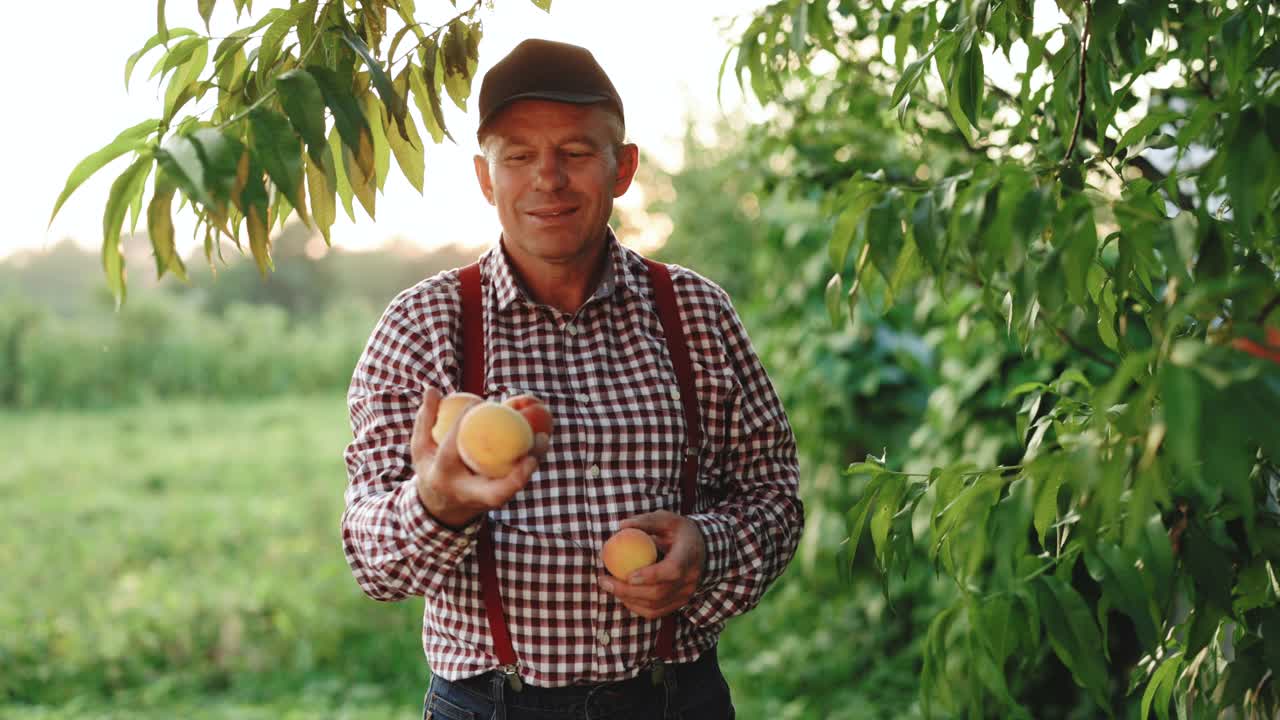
{"x": 607, "y": 585}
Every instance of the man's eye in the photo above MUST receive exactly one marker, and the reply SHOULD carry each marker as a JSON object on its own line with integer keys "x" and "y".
{"x": 518, "y": 157}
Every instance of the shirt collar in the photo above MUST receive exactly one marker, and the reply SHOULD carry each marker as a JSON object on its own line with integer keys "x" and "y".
{"x": 618, "y": 274}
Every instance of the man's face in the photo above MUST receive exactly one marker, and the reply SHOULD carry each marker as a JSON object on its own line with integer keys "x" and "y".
{"x": 552, "y": 170}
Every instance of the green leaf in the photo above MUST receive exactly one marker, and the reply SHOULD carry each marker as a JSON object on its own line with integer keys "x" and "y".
{"x": 341, "y": 185}
{"x": 1045, "y": 513}
{"x": 428, "y": 102}
{"x": 348, "y": 118}
{"x": 911, "y": 76}
{"x": 1160, "y": 688}
{"x": 1180, "y": 392}
{"x": 160, "y": 230}
{"x": 162, "y": 27}
{"x": 273, "y": 38}
{"x": 1128, "y": 593}
{"x": 967, "y": 83}
{"x": 1143, "y": 128}
{"x": 180, "y": 88}
{"x": 1250, "y": 165}
{"x": 118, "y": 200}
{"x": 545, "y": 5}
{"x": 857, "y": 517}
{"x": 835, "y": 299}
{"x": 147, "y": 47}
{"x": 220, "y": 154}
{"x": 884, "y": 232}
{"x": 255, "y": 204}
{"x": 381, "y": 81}
{"x": 883, "y": 509}
{"x": 303, "y": 102}
{"x": 130, "y": 140}
{"x": 277, "y": 148}
{"x": 409, "y": 153}
{"x": 1075, "y": 233}
{"x": 927, "y": 233}
{"x": 205, "y": 7}
{"x": 457, "y": 67}
{"x": 376, "y": 117}
{"x": 1210, "y": 569}
{"x": 322, "y": 181}
{"x": 855, "y": 202}
{"x": 1073, "y": 634}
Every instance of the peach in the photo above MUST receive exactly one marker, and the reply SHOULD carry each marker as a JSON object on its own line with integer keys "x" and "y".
{"x": 450, "y": 409}
{"x": 537, "y": 414}
{"x": 627, "y": 551}
{"x": 492, "y": 438}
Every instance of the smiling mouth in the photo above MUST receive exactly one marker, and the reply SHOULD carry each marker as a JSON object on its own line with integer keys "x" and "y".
{"x": 553, "y": 214}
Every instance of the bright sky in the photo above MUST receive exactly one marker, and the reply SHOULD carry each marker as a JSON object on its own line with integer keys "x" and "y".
{"x": 64, "y": 85}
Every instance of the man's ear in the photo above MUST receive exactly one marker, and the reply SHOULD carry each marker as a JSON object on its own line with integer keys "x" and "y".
{"x": 628, "y": 156}
{"x": 482, "y": 177}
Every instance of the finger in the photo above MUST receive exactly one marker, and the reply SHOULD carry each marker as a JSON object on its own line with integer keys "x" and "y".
{"x": 670, "y": 569}
{"x": 654, "y": 523}
{"x": 541, "y": 445}
{"x": 652, "y": 612}
{"x": 647, "y": 595}
{"x": 493, "y": 493}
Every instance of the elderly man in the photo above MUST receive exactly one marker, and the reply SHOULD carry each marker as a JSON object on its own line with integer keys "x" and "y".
{"x": 664, "y": 420}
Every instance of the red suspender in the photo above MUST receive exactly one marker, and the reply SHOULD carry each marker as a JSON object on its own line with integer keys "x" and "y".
{"x": 473, "y": 366}
{"x": 473, "y": 370}
{"x": 665, "y": 297}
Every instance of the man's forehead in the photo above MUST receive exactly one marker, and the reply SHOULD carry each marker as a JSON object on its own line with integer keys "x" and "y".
{"x": 526, "y": 120}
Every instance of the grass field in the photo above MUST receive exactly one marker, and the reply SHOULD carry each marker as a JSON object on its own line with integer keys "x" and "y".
{"x": 184, "y": 560}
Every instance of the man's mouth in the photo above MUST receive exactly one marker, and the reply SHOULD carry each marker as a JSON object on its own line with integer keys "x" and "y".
{"x": 553, "y": 212}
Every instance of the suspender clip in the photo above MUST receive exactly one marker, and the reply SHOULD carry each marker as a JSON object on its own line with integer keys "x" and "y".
{"x": 512, "y": 672}
{"x": 658, "y": 672}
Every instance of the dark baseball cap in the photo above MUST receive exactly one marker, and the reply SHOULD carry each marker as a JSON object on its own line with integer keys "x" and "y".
{"x": 546, "y": 70}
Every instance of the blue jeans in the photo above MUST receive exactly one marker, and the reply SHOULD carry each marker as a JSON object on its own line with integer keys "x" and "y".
{"x": 689, "y": 691}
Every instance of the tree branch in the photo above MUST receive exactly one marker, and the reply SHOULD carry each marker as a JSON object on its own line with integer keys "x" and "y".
{"x": 1084, "y": 43}
{"x": 1265, "y": 312}
{"x": 1063, "y": 336}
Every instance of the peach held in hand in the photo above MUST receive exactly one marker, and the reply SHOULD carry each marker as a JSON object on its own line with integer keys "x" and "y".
{"x": 492, "y": 438}
{"x": 537, "y": 414}
{"x": 627, "y": 551}
{"x": 451, "y": 408}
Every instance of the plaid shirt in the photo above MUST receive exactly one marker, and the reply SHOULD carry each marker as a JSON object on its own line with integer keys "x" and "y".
{"x": 605, "y": 374}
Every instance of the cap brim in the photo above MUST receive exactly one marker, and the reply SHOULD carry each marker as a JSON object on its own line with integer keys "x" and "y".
{"x": 555, "y": 95}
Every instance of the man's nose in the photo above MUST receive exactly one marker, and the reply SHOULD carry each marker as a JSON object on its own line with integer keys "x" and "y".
{"x": 550, "y": 171}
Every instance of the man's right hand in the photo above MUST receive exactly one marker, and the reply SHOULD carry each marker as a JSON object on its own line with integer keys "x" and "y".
{"x": 448, "y": 489}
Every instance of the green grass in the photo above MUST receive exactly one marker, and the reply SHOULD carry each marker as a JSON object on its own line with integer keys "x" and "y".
{"x": 184, "y": 560}
{"x": 191, "y": 550}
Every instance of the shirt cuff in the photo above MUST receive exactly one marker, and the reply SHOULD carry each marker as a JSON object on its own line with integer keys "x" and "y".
{"x": 426, "y": 533}
{"x": 718, "y": 537}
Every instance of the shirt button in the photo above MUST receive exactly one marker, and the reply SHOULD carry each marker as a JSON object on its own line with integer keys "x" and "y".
{"x": 573, "y": 329}
{"x": 675, "y": 394}
{"x": 603, "y": 637}
{"x": 593, "y": 472}
{"x": 584, "y": 398}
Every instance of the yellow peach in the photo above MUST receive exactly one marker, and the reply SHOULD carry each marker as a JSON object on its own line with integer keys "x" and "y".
{"x": 627, "y": 551}
{"x": 492, "y": 438}
{"x": 450, "y": 409}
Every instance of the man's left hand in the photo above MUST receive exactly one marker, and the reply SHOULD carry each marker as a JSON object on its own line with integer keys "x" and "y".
{"x": 664, "y": 587}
